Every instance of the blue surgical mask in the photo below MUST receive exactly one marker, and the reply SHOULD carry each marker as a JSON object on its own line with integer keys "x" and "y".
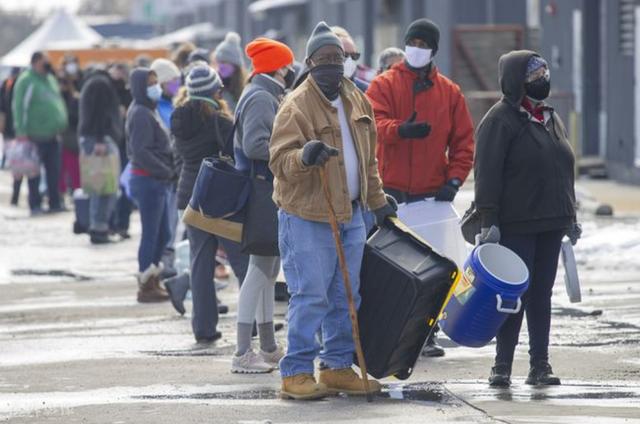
{"x": 154, "y": 92}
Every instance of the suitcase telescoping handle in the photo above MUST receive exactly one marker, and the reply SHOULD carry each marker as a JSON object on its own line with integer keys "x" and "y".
{"x": 502, "y": 309}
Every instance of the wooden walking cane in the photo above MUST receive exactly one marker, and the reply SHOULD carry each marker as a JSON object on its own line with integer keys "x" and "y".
{"x": 333, "y": 220}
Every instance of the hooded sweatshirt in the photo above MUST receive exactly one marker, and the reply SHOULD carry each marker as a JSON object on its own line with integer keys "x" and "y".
{"x": 148, "y": 145}
{"x": 524, "y": 168}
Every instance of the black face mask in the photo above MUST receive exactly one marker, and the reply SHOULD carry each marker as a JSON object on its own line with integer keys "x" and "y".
{"x": 538, "y": 89}
{"x": 226, "y": 82}
{"x": 289, "y": 79}
{"x": 48, "y": 68}
{"x": 329, "y": 79}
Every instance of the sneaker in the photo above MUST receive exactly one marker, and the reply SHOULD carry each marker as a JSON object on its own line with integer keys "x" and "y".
{"x": 100, "y": 237}
{"x": 302, "y": 387}
{"x": 541, "y": 374}
{"x": 273, "y": 358}
{"x": 249, "y": 363}
{"x": 206, "y": 341}
{"x": 500, "y": 376}
{"x": 346, "y": 381}
{"x": 432, "y": 349}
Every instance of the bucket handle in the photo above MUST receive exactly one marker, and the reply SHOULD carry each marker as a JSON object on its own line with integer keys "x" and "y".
{"x": 507, "y": 310}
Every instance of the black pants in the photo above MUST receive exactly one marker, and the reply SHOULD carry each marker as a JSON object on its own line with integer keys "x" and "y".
{"x": 50, "y": 152}
{"x": 540, "y": 253}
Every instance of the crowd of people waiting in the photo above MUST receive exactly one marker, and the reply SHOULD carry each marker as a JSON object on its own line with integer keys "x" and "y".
{"x": 400, "y": 134}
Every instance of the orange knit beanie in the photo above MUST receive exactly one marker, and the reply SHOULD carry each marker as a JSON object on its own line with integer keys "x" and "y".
{"x": 268, "y": 55}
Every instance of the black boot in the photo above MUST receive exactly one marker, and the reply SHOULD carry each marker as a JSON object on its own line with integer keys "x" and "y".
{"x": 100, "y": 237}
{"x": 177, "y": 288}
{"x": 500, "y": 376}
{"x": 432, "y": 349}
{"x": 541, "y": 374}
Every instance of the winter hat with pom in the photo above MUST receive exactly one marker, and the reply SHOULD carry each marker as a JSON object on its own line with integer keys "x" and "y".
{"x": 203, "y": 81}
{"x": 166, "y": 70}
{"x": 230, "y": 50}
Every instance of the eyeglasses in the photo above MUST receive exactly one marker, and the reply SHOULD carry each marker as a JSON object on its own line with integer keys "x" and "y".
{"x": 334, "y": 59}
{"x": 355, "y": 56}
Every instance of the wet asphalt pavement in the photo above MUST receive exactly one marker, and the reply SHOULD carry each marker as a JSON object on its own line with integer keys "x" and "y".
{"x": 75, "y": 347}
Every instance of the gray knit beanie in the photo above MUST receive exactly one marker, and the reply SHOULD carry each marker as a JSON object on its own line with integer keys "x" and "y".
{"x": 320, "y": 37}
{"x": 230, "y": 50}
{"x": 203, "y": 81}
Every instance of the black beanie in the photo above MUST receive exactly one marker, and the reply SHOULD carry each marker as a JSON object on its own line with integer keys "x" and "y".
{"x": 425, "y": 30}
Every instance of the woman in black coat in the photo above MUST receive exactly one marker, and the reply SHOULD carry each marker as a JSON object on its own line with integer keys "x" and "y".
{"x": 202, "y": 127}
{"x": 524, "y": 191}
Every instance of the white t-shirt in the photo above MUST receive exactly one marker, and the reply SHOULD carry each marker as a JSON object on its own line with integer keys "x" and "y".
{"x": 349, "y": 154}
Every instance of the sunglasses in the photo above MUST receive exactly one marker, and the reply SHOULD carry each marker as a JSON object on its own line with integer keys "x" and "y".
{"x": 355, "y": 55}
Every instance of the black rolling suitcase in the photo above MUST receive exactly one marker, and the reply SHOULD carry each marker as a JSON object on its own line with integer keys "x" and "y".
{"x": 404, "y": 286}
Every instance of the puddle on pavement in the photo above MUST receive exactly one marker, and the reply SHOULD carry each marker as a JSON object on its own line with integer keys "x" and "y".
{"x": 54, "y": 273}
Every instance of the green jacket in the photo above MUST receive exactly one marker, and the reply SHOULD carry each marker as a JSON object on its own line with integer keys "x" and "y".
{"x": 38, "y": 108}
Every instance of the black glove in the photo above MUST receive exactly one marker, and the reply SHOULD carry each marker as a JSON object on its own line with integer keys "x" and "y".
{"x": 316, "y": 153}
{"x": 488, "y": 235}
{"x": 574, "y": 233}
{"x": 448, "y": 191}
{"x": 387, "y": 210}
{"x": 412, "y": 129}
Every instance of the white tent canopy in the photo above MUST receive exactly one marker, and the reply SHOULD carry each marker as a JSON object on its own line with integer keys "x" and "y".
{"x": 61, "y": 28}
{"x": 191, "y": 33}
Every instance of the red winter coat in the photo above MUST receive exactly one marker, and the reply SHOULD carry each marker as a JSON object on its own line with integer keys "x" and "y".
{"x": 420, "y": 166}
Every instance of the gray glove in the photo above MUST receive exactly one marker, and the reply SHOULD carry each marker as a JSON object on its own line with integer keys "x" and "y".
{"x": 574, "y": 233}
{"x": 316, "y": 153}
{"x": 488, "y": 235}
{"x": 387, "y": 210}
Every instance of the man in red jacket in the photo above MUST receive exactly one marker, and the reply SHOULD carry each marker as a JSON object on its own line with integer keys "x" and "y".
{"x": 425, "y": 132}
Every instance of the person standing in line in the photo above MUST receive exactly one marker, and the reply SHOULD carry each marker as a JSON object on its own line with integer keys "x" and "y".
{"x": 152, "y": 173}
{"x": 40, "y": 115}
{"x": 425, "y": 132}
{"x": 272, "y": 74}
{"x": 70, "y": 165}
{"x": 325, "y": 122}
{"x": 228, "y": 59}
{"x": 524, "y": 191}
{"x": 170, "y": 80}
{"x": 8, "y": 131}
{"x": 351, "y": 58}
{"x": 100, "y": 125}
{"x": 201, "y": 125}
{"x": 389, "y": 57}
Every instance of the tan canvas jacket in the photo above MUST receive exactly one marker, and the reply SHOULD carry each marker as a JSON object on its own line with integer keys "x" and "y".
{"x": 307, "y": 115}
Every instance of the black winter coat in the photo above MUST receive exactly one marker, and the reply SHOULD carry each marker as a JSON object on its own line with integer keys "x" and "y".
{"x": 197, "y": 136}
{"x": 524, "y": 170}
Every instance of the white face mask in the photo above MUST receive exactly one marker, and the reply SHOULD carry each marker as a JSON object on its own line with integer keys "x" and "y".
{"x": 71, "y": 68}
{"x": 417, "y": 57}
{"x": 350, "y": 67}
{"x": 154, "y": 92}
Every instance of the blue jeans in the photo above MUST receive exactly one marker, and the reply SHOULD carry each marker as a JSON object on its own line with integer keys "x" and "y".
{"x": 152, "y": 198}
{"x": 318, "y": 299}
{"x": 100, "y": 206}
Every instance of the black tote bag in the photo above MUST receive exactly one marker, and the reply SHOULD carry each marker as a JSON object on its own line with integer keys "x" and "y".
{"x": 260, "y": 230}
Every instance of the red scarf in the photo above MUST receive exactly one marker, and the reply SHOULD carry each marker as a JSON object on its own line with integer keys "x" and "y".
{"x": 537, "y": 112}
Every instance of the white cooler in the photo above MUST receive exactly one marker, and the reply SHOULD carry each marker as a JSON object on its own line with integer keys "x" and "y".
{"x": 439, "y": 224}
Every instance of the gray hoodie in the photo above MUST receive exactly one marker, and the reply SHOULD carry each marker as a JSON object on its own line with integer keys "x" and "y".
{"x": 148, "y": 145}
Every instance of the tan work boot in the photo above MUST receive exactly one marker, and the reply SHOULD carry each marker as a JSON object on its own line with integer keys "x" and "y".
{"x": 346, "y": 380}
{"x": 149, "y": 290}
{"x": 302, "y": 387}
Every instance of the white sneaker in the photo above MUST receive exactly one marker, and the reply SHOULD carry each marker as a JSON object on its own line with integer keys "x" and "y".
{"x": 250, "y": 363}
{"x": 272, "y": 358}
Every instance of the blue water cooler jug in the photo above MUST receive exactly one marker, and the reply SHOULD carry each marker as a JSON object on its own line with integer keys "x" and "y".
{"x": 490, "y": 288}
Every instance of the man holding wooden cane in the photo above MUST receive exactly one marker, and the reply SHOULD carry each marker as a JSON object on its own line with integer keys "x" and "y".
{"x": 325, "y": 123}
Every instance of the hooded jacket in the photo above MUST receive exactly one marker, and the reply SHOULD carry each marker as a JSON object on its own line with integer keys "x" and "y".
{"x": 100, "y": 108}
{"x": 524, "y": 168}
{"x": 421, "y": 166}
{"x": 255, "y": 115}
{"x": 148, "y": 145}
{"x": 197, "y": 136}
